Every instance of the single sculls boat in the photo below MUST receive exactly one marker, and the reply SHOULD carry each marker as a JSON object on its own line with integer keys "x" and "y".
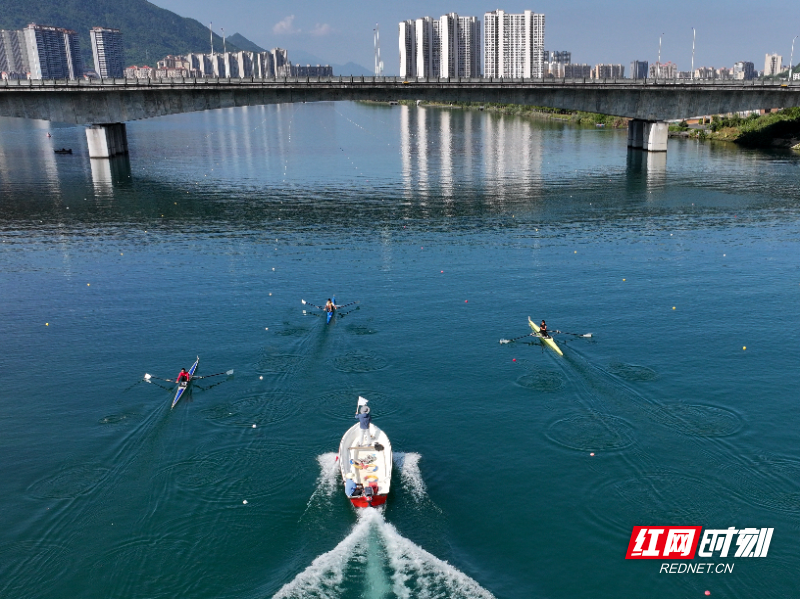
{"x": 367, "y": 465}
{"x": 546, "y": 340}
{"x": 183, "y": 387}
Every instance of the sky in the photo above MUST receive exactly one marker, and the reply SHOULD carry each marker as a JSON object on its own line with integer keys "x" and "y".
{"x": 594, "y": 31}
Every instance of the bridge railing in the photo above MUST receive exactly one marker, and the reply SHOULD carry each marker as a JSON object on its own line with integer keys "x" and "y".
{"x": 392, "y": 81}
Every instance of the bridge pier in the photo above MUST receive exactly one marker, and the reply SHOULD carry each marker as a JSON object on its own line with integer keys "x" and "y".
{"x": 650, "y": 136}
{"x": 107, "y": 140}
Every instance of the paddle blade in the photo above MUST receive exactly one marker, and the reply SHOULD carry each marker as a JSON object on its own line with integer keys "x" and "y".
{"x": 587, "y": 335}
{"x": 147, "y": 377}
{"x": 304, "y": 301}
{"x": 230, "y": 372}
{"x": 505, "y": 341}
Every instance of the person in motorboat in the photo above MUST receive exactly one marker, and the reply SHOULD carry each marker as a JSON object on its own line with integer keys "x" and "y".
{"x": 364, "y": 420}
{"x": 543, "y": 330}
{"x": 183, "y": 377}
{"x": 330, "y": 306}
{"x": 349, "y": 485}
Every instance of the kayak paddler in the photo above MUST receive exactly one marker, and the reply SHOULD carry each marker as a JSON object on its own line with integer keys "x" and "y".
{"x": 183, "y": 377}
{"x": 543, "y": 329}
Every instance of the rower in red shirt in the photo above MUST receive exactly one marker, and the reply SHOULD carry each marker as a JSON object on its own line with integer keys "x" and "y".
{"x": 183, "y": 377}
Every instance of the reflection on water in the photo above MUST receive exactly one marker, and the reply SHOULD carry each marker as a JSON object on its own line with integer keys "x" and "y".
{"x": 242, "y": 168}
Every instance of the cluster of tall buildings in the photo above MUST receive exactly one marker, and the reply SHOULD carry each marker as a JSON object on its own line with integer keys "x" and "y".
{"x": 44, "y": 52}
{"x": 446, "y": 47}
{"x": 261, "y": 65}
{"x": 450, "y": 46}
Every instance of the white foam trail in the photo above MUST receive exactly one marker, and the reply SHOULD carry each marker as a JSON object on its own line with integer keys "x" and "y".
{"x": 328, "y": 473}
{"x": 410, "y": 473}
{"x": 325, "y": 574}
{"x": 422, "y": 575}
{"x": 327, "y": 479}
{"x": 414, "y": 572}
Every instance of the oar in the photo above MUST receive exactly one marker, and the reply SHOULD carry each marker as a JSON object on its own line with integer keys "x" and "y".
{"x": 305, "y": 303}
{"x": 517, "y": 338}
{"x": 349, "y": 311}
{"x": 208, "y": 376}
{"x": 575, "y": 334}
{"x": 345, "y": 305}
{"x": 147, "y": 377}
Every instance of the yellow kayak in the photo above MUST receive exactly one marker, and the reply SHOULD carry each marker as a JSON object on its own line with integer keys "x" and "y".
{"x": 546, "y": 340}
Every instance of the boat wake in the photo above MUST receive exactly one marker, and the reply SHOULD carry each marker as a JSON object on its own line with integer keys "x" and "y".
{"x": 408, "y": 464}
{"x": 375, "y": 561}
{"x": 327, "y": 479}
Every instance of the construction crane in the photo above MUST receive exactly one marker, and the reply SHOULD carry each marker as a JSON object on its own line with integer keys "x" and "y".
{"x": 376, "y": 38}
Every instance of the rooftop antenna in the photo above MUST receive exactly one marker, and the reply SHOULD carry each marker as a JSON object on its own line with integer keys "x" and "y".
{"x": 376, "y": 38}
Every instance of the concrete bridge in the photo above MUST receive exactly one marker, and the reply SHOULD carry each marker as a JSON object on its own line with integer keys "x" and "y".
{"x": 107, "y": 104}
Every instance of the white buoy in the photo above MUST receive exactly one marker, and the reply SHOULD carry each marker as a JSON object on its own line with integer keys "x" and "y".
{"x": 245, "y": 502}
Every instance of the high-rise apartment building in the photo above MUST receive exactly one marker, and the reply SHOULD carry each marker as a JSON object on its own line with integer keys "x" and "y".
{"x": 428, "y": 47}
{"x": 408, "y": 49}
{"x": 562, "y": 57}
{"x": 514, "y": 44}
{"x": 577, "y": 71}
{"x": 53, "y": 52}
{"x": 107, "y": 52}
{"x": 446, "y": 47}
{"x": 608, "y": 71}
{"x": 744, "y": 70}
{"x": 665, "y": 70}
{"x": 469, "y": 47}
{"x": 772, "y": 64}
{"x": 639, "y": 69}
{"x": 13, "y": 54}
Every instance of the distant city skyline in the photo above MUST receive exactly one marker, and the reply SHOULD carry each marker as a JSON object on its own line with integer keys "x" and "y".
{"x": 619, "y": 32}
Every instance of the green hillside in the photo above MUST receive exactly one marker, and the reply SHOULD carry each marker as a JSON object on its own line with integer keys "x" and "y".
{"x": 237, "y": 39}
{"x": 149, "y": 32}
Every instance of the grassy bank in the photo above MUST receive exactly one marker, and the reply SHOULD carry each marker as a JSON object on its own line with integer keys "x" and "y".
{"x": 776, "y": 129}
{"x": 578, "y": 118}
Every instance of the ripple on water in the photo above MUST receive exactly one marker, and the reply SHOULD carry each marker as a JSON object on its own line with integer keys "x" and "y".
{"x": 546, "y": 381}
{"x": 591, "y": 432}
{"x": 662, "y": 496}
{"x": 341, "y": 403}
{"x": 360, "y": 329}
{"x": 227, "y": 476}
{"x": 279, "y": 363}
{"x": 770, "y": 482}
{"x": 261, "y": 408}
{"x": 359, "y": 362}
{"x": 699, "y": 420}
{"x": 69, "y": 482}
{"x": 123, "y": 418}
{"x": 632, "y": 372}
{"x": 290, "y": 331}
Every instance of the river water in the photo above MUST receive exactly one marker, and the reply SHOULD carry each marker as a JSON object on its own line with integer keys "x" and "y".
{"x": 518, "y": 473}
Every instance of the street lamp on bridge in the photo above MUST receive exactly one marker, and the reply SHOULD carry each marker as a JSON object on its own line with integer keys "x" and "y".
{"x": 694, "y": 35}
{"x": 791, "y": 55}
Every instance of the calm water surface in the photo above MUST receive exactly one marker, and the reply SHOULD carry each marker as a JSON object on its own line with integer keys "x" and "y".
{"x": 450, "y": 228}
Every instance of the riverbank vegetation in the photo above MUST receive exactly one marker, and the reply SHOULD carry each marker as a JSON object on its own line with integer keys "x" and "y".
{"x": 774, "y": 129}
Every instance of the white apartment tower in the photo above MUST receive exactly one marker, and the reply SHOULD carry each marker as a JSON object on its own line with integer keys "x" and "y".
{"x": 469, "y": 47}
{"x": 514, "y": 44}
{"x": 408, "y": 49}
{"x": 446, "y": 47}
{"x": 107, "y": 52}
{"x": 772, "y": 64}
